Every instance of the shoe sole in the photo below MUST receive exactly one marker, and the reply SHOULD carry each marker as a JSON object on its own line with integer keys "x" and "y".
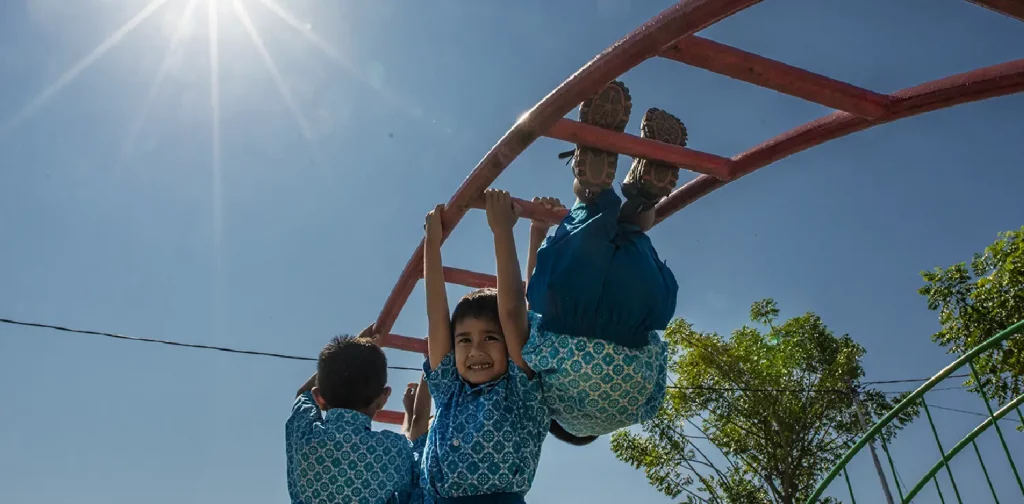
{"x": 653, "y": 180}
{"x": 609, "y": 109}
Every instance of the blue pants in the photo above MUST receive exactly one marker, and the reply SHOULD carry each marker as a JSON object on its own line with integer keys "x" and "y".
{"x": 600, "y": 278}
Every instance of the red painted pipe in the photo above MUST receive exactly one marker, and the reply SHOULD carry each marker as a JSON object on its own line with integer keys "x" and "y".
{"x": 531, "y": 210}
{"x": 768, "y": 73}
{"x": 631, "y": 145}
{"x": 470, "y": 279}
{"x": 405, "y": 343}
{"x": 682, "y": 19}
{"x": 391, "y": 417}
{"x": 1010, "y": 8}
{"x": 988, "y": 82}
{"x": 661, "y": 36}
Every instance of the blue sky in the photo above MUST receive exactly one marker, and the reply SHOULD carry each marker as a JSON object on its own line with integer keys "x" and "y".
{"x": 121, "y": 210}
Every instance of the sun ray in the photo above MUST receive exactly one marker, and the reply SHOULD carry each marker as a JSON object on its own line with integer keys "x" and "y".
{"x": 68, "y": 76}
{"x": 289, "y": 101}
{"x": 308, "y": 33}
{"x": 161, "y": 74}
{"x": 213, "y": 30}
{"x": 332, "y": 53}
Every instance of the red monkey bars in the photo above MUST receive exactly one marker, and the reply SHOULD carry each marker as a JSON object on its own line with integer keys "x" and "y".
{"x": 670, "y": 35}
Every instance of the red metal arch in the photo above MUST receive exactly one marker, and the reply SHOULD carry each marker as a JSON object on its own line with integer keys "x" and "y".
{"x": 670, "y": 35}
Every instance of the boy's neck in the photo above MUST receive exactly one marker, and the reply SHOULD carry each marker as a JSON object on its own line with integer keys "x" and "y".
{"x": 370, "y": 411}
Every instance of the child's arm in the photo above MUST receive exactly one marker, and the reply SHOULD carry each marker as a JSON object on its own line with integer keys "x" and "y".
{"x": 420, "y": 422}
{"x": 306, "y": 387}
{"x": 305, "y": 412}
{"x": 539, "y": 231}
{"x": 502, "y": 216}
{"x": 439, "y": 337}
{"x": 408, "y": 401}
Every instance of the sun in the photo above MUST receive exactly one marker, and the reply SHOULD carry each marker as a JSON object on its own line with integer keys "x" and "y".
{"x": 190, "y": 20}
{"x": 194, "y": 15}
{"x": 197, "y": 16}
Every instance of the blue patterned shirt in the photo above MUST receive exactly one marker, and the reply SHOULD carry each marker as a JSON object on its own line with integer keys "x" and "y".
{"x": 593, "y": 387}
{"x": 418, "y": 496}
{"x": 485, "y": 438}
{"x": 339, "y": 459}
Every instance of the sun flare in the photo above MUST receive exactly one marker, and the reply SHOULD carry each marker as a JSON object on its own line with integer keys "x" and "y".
{"x": 183, "y": 23}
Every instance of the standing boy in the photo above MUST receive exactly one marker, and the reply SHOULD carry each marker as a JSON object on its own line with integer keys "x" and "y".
{"x": 338, "y": 458}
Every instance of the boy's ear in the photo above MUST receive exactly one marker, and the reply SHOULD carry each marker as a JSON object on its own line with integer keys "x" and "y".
{"x": 320, "y": 402}
{"x": 382, "y": 400}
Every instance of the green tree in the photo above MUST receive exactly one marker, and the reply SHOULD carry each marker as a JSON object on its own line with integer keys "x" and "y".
{"x": 777, "y": 402}
{"x": 977, "y": 302}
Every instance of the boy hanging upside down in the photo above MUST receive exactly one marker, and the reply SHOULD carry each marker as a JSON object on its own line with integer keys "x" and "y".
{"x": 599, "y": 292}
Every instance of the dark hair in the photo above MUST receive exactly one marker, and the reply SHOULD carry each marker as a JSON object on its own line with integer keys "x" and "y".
{"x": 479, "y": 304}
{"x": 351, "y": 372}
{"x": 556, "y": 429}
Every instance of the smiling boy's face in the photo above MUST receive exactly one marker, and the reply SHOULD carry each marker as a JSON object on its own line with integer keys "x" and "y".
{"x": 480, "y": 352}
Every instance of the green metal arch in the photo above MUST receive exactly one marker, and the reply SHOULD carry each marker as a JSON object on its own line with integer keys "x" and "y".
{"x": 989, "y": 422}
{"x": 918, "y": 395}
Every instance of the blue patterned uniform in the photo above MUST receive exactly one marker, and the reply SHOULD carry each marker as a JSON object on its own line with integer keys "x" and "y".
{"x": 597, "y": 297}
{"x": 339, "y": 459}
{"x": 418, "y": 496}
{"x": 486, "y": 439}
{"x": 593, "y": 387}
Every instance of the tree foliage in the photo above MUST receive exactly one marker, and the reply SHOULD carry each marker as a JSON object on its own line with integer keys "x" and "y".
{"x": 776, "y": 403}
{"x": 978, "y": 301}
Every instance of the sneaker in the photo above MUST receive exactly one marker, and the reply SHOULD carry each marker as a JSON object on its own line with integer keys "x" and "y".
{"x": 608, "y": 109}
{"x": 649, "y": 181}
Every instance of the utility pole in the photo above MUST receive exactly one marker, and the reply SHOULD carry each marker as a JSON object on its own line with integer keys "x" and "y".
{"x": 871, "y": 446}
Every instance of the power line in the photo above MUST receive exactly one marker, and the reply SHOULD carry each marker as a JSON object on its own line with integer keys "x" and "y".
{"x": 940, "y": 389}
{"x": 912, "y": 380}
{"x": 310, "y": 359}
{"x": 301, "y": 358}
{"x": 174, "y": 343}
{"x": 818, "y": 389}
{"x": 930, "y": 405}
{"x": 821, "y": 389}
{"x": 748, "y": 389}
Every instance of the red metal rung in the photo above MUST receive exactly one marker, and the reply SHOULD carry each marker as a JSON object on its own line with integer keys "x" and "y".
{"x": 982, "y": 83}
{"x": 531, "y": 210}
{"x": 1011, "y": 8}
{"x": 405, "y": 343}
{"x": 748, "y": 67}
{"x": 391, "y": 417}
{"x": 630, "y": 145}
{"x": 469, "y": 278}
